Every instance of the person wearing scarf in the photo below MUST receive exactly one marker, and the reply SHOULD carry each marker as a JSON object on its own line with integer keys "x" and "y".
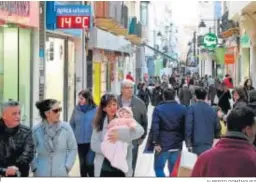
{"x": 81, "y": 123}
{"x": 55, "y": 143}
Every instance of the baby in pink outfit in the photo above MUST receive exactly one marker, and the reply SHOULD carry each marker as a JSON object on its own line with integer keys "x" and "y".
{"x": 116, "y": 152}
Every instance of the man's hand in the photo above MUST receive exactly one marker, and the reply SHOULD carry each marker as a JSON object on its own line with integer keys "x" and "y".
{"x": 158, "y": 148}
{"x": 113, "y": 136}
{"x": 11, "y": 171}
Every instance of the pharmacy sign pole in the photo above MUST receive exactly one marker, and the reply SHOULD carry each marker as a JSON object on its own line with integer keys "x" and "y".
{"x": 73, "y": 16}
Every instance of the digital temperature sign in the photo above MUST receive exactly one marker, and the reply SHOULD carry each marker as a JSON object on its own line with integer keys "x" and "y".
{"x": 73, "y": 22}
{"x": 73, "y": 16}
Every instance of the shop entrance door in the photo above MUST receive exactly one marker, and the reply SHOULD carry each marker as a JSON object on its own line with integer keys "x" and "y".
{"x": 15, "y": 69}
{"x": 54, "y": 66}
{"x": 71, "y": 79}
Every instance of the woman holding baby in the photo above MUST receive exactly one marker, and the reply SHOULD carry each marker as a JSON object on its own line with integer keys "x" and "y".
{"x": 113, "y": 133}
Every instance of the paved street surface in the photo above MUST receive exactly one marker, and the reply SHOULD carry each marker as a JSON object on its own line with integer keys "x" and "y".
{"x": 145, "y": 166}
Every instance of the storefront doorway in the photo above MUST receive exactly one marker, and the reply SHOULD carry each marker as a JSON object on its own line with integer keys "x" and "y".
{"x": 60, "y": 73}
{"x": 16, "y": 68}
{"x": 54, "y": 66}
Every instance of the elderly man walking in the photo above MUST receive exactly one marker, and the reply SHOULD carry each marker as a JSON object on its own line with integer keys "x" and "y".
{"x": 16, "y": 142}
{"x": 127, "y": 99}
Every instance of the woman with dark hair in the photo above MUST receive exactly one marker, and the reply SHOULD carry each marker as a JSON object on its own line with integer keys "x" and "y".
{"x": 248, "y": 87}
{"x": 239, "y": 97}
{"x": 105, "y": 114}
{"x": 81, "y": 123}
{"x": 224, "y": 95}
{"x": 55, "y": 143}
{"x": 240, "y": 100}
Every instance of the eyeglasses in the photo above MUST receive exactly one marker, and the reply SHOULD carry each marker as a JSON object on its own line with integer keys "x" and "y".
{"x": 57, "y": 110}
{"x": 128, "y": 88}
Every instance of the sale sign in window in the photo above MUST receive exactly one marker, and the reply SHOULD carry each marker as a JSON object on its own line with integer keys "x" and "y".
{"x": 73, "y": 17}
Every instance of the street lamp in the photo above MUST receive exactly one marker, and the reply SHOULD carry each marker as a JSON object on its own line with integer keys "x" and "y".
{"x": 202, "y": 29}
{"x": 202, "y": 24}
{"x": 159, "y": 34}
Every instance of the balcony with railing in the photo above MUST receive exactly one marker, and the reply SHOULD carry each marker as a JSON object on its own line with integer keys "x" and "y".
{"x": 111, "y": 16}
{"x": 135, "y": 31}
{"x": 227, "y": 27}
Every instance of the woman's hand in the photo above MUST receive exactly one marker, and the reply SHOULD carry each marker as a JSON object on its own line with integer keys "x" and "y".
{"x": 113, "y": 136}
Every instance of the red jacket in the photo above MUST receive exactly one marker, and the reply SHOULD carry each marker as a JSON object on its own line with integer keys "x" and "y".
{"x": 129, "y": 77}
{"x": 229, "y": 158}
{"x": 228, "y": 83}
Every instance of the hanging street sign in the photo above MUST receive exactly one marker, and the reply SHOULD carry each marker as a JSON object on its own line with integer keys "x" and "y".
{"x": 245, "y": 41}
{"x": 210, "y": 41}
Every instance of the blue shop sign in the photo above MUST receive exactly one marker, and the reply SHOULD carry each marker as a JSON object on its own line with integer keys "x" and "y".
{"x": 58, "y": 8}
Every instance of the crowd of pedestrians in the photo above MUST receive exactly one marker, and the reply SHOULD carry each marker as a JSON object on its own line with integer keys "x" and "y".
{"x": 107, "y": 137}
{"x": 94, "y": 133}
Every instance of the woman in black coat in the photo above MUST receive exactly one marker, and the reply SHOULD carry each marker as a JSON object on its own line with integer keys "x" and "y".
{"x": 224, "y": 95}
{"x": 144, "y": 94}
{"x": 248, "y": 87}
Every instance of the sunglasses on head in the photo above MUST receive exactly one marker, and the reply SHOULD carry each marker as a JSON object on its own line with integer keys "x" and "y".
{"x": 57, "y": 110}
{"x": 107, "y": 96}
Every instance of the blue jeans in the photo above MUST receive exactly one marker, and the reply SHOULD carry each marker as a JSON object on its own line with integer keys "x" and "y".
{"x": 160, "y": 161}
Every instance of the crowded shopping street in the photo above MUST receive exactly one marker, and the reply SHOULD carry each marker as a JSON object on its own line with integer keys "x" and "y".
{"x": 128, "y": 89}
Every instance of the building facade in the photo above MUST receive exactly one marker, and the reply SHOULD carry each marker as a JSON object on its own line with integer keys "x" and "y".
{"x": 19, "y": 54}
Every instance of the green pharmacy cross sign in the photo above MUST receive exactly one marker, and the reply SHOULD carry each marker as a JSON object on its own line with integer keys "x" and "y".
{"x": 210, "y": 41}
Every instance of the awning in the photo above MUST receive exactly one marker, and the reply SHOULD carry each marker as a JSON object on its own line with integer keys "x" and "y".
{"x": 159, "y": 52}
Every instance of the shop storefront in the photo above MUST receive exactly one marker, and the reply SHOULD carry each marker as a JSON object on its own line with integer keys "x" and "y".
{"x": 232, "y": 59}
{"x": 108, "y": 51}
{"x": 63, "y": 48}
{"x": 245, "y": 45}
{"x": 19, "y": 20}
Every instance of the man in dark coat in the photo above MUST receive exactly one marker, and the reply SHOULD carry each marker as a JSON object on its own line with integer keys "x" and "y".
{"x": 185, "y": 95}
{"x": 202, "y": 124}
{"x": 167, "y": 132}
{"x": 234, "y": 155}
{"x": 16, "y": 142}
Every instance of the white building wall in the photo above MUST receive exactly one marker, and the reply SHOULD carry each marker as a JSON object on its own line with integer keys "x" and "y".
{"x": 207, "y": 14}
{"x": 235, "y": 7}
{"x": 80, "y": 66}
{"x": 151, "y": 28}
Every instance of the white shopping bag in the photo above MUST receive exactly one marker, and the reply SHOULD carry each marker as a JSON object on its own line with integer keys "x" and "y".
{"x": 187, "y": 162}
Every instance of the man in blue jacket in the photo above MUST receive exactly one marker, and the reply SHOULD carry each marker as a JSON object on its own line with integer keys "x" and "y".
{"x": 167, "y": 132}
{"x": 202, "y": 124}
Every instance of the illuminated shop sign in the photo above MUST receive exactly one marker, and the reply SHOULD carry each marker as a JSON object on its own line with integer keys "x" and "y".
{"x": 19, "y": 8}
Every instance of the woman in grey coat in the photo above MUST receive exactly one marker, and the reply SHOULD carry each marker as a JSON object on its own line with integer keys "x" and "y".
{"x": 55, "y": 143}
{"x": 106, "y": 112}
